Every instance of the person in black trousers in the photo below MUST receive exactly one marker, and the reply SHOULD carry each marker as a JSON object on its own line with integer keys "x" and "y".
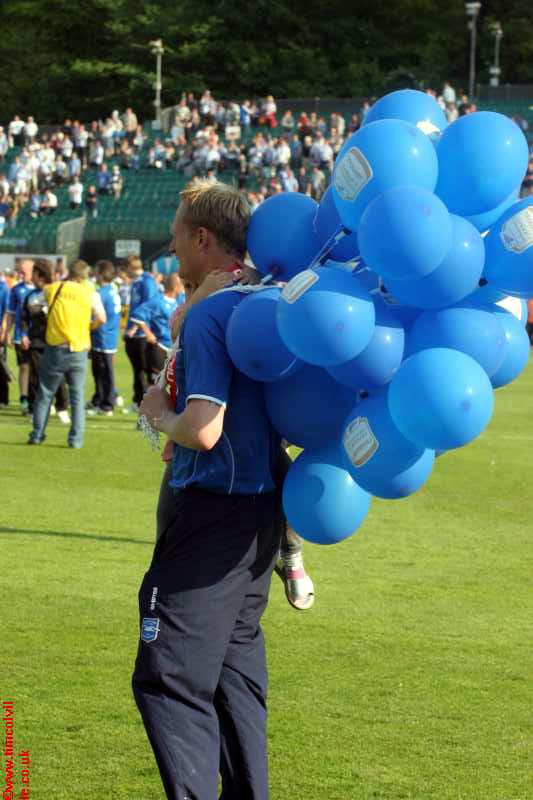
{"x": 33, "y": 327}
{"x": 104, "y": 341}
{"x": 200, "y": 678}
{"x": 143, "y": 288}
{"x": 5, "y": 373}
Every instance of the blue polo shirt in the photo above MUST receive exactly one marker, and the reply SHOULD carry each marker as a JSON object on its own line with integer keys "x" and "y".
{"x": 4, "y": 295}
{"x": 105, "y": 338}
{"x": 15, "y": 303}
{"x": 142, "y": 289}
{"x": 243, "y": 460}
{"x": 156, "y": 313}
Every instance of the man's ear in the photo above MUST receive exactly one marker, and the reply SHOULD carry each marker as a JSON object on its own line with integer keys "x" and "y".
{"x": 202, "y": 237}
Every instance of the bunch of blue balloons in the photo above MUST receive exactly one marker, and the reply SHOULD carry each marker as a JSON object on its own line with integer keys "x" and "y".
{"x": 399, "y": 306}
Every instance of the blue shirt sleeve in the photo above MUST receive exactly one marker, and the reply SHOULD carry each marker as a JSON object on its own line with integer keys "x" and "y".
{"x": 4, "y": 299}
{"x": 208, "y": 367}
{"x": 12, "y": 301}
{"x": 149, "y": 289}
{"x": 144, "y": 312}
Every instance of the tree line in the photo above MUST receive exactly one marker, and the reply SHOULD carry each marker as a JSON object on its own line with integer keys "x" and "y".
{"x": 84, "y": 58}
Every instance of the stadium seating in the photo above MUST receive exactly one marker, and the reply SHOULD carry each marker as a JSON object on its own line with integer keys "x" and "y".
{"x": 149, "y": 196}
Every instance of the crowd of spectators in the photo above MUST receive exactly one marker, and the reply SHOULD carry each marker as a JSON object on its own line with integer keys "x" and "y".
{"x": 268, "y": 152}
{"x": 46, "y": 161}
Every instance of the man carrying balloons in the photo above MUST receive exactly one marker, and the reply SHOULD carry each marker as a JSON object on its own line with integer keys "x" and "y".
{"x": 200, "y": 676}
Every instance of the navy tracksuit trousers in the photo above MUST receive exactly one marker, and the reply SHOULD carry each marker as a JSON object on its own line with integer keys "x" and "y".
{"x": 200, "y": 678}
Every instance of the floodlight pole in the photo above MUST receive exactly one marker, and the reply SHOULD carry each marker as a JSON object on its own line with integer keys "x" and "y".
{"x": 157, "y": 49}
{"x": 495, "y": 70}
{"x": 472, "y": 10}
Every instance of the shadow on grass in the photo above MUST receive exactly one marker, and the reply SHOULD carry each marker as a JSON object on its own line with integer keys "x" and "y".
{"x": 72, "y": 535}
{"x": 47, "y": 446}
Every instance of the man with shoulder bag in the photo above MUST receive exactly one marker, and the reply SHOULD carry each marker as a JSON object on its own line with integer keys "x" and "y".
{"x": 74, "y": 308}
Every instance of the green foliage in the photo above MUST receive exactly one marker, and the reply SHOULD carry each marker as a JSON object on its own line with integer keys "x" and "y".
{"x": 84, "y": 59}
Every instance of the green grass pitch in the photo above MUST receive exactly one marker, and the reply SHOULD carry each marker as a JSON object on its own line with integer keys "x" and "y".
{"x": 411, "y": 677}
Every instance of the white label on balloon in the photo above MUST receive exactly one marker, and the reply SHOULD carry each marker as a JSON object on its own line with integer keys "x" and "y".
{"x": 352, "y": 174}
{"x": 513, "y": 305}
{"x": 427, "y": 127}
{"x": 359, "y": 441}
{"x": 298, "y": 285}
{"x": 517, "y": 232}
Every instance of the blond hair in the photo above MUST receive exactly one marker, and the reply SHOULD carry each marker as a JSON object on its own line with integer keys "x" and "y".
{"x": 221, "y": 209}
{"x": 78, "y": 270}
{"x": 133, "y": 262}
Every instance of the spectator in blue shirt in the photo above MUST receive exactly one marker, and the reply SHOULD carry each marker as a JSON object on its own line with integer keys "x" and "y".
{"x": 35, "y": 204}
{"x": 15, "y": 305}
{"x": 207, "y": 586}
{"x": 104, "y": 342}
{"x": 14, "y": 170}
{"x": 4, "y": 294}
{"x": 4, "y": 373}
{"x": 74, "y": 166}
{"x": 143, "y": 288}
{"x": 103, "y": 180}
{"x": 296, "y": 149}
{"x": 153, "y": 319}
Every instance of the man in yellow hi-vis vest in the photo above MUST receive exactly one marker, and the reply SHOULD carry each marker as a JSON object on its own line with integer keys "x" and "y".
{"x": 74, "y": 308}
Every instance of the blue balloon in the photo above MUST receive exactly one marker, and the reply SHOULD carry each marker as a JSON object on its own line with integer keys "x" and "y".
{"x": 328, "y": 222}
{"x": 405, "y": 233}
{"x": 441, "y": 399}
{"x": 281, "y": 237}
{"x": 518, "y": 349}
{"x": 253, "y": 341}
{"x": 325, "y": 316}
{"x": 487, "y": 219}
{"x": 412, "y": 106}
{"x": 321, "y": 500}
{"x": 378, "y": 157}
{"x": 378, "y": 456}
{"x": 308, "y": 408}
{"x": 456, "y": 276}
{"x": 509, "y": 248}
{"x": 482, "y": 159}
{"x": 380, "y": 359}
{"x": 477, "y": 332}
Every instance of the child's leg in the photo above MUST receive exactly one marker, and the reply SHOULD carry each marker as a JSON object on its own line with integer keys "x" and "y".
{"x": 299, "y": 588}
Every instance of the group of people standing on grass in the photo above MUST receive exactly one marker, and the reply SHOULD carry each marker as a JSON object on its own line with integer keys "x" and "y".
{"x": 52, "y": 317}
{"x": 57, "y": 320}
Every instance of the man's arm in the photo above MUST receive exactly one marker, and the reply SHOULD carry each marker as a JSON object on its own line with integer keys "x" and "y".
{"x": 9, "y": 320}
{"x": 198, "y": 427}
{"x": 98, "y": 316}
{"x": 25, "y": 324}
{"x": 140, "y": 317}
{"x": 208, "y": 374}
{"x": 150, "y": 337}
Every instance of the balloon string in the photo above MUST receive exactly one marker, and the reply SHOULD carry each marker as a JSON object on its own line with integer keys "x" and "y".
{"x": 269, "y": 277}
{"x": 322, "y": 255}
